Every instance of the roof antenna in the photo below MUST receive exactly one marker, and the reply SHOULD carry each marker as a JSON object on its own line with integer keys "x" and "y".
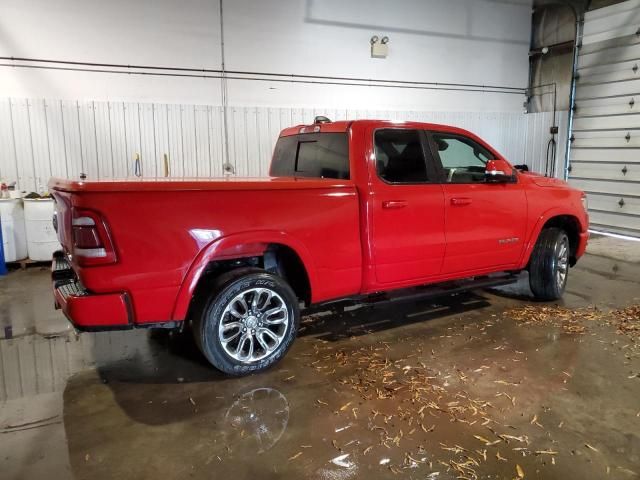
{"x": 321, "y": 119}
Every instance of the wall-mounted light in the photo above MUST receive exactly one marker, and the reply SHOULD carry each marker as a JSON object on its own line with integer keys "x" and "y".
{"x": 379, "y": 48}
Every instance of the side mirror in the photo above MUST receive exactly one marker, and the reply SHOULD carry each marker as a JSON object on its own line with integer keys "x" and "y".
{"x": 498, "y": 171}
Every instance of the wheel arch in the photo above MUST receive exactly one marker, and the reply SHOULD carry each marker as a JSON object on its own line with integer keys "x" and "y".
{"x": 568, "y": 222}
{"x": 276, "y": 252}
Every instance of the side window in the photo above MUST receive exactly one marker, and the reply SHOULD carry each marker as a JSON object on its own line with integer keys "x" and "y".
{"x": 399, "y": 156}
{"x": 463, "y": 160}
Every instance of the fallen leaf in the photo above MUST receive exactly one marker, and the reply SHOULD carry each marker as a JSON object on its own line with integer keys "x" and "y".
{"x": 295, "y": 456}
{"x": 519, "y": 471}
{"x": 482, "y": 439}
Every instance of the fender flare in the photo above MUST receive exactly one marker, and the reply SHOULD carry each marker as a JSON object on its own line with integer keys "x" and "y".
{"x": 237, "y": 245}
{"x": 542, "y": 220}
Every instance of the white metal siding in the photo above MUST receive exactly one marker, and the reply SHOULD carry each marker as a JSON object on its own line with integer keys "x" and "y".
{"x": 605, "y": 146}
{"x": 44, "y": 138}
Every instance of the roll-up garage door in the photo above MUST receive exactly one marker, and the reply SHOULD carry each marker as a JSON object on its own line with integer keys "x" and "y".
{"x": 605, "y": 138}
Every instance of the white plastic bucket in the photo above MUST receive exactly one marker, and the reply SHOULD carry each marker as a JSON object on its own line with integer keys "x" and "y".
{"x": 14, "y": 239}
{"x": 42, "y": 239}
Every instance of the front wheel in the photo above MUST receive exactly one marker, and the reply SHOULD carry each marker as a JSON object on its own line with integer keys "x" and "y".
{"x": 249, "y": 322}
{"x": 549, "y": 264}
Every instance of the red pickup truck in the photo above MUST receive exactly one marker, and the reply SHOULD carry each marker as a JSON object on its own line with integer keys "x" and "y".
{"x": 352, "y": 210}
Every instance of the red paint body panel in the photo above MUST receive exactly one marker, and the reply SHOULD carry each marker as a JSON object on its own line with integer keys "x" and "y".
{"x": 353, "y": 236}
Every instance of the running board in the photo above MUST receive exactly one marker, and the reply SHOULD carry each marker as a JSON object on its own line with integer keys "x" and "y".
{"x": 424, "y": 291}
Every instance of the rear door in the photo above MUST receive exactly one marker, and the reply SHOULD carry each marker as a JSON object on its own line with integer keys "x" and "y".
{"x": 485, "y": 221}
{"x": 407, "y": 207}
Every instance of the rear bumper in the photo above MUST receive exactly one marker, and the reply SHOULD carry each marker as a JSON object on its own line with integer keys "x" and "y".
{"x": 85, "y": 310}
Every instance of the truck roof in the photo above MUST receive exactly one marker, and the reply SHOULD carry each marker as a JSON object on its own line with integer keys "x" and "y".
{"x": 344, "y": 125}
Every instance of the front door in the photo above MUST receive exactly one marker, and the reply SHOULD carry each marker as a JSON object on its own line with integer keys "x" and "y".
{"x": 407, "y": 206}
{"x": 485, "y": 221}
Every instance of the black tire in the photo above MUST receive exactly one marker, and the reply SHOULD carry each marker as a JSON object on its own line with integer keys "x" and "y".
{"x": 225, "y": 289}
{"x": 548, "y": 259}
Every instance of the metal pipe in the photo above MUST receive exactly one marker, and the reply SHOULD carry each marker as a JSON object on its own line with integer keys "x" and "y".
{"x": 401, "y": 84}
{"x": 3, "y": 265}
{"x": 224, "y": 93}
{"x": 572, "y": 94}
{"x": 243, "y": 73}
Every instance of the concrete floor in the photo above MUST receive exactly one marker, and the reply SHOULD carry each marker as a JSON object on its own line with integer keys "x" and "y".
{"x": 469, "y": 386}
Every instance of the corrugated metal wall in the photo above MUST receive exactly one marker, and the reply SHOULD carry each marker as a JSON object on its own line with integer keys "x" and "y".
{"x": 605, "y": 150}
{"x": 43, "y": 138}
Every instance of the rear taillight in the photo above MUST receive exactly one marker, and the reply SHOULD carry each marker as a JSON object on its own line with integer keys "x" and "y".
{"x": 91, "y": 240}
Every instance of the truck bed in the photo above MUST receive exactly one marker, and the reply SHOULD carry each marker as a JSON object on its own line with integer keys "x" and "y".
{"x": 164, "y": 230}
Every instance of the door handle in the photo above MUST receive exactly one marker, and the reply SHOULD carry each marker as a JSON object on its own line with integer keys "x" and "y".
{"x": 394, "y": 204}
{"x": 461, "y": 201}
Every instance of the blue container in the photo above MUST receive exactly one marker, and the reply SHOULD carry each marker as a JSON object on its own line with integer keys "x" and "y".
{"x": 3, "y": 265}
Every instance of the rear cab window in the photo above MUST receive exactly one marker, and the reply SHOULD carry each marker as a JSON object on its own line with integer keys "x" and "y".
{"x": 315, "y": 155}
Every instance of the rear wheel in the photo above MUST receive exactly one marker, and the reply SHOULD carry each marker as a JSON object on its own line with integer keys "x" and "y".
{"x": 249, "y": 322}
{"x": 549, "y": 266}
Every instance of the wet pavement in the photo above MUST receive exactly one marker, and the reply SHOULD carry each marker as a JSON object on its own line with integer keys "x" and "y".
{"x": 486, "y": 384}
